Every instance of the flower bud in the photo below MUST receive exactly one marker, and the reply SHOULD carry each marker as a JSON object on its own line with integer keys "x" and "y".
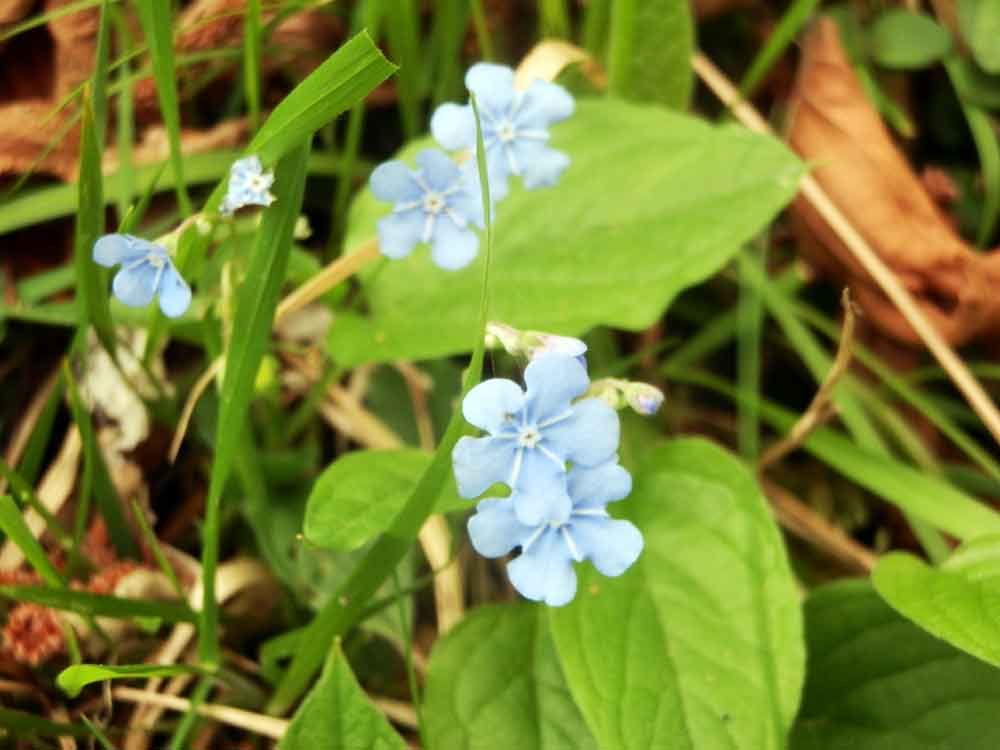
{"x": 644, "y": 398}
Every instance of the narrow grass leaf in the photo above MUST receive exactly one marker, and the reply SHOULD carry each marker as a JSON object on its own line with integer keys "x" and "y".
{"x": 99, "y": 79}
{"x": 91, "y": 278}
{"x": 99, "y": 605}
{"x": 157, "y": 24}
{"x": 255, "y": 307}
{"x": 23, "y": 724}
{"x": 251, "y": 61}
{"x": 350, "y": 602}
{"x": 13, "y": 526}
{"x": 74, "y": 679}
{"x": 403, "y": 31}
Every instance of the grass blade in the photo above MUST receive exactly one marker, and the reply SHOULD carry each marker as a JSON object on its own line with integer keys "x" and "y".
{"x": 157, "y": 24}
{"x": 23, "y": 724}
{"x": 251, "y": 61}
{"x": 99, "y": 605}
{"x": 254, "y": 314}
{"x": 348, "y": 605}
{"x": 12, "y": 524}
{"x": 403, "y": 30}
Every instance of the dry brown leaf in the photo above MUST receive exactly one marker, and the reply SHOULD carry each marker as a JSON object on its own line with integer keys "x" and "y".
{"x": 12, "y": 11}
{"x": 27, "y": 130}
{"x": 75, "y": 39}
{"x": 835, "y": 128}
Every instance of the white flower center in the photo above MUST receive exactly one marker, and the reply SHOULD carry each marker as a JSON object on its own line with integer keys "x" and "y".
{"x": 506, "y": 132}
{"x": 258, "y": 183}
{"x": 529, "y": 437}
{"x": 434, "y": 203}
{"x": 155, "y": 261}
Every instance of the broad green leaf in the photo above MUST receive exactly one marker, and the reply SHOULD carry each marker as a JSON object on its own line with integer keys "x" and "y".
{"x": 337, "y": 715}
{"x": 649, "y": 56}
{"x": 979, "y": 21}
{"x": 99, "y": 605}
{"x": 156, "y": 17}
{"x": 958, "y": 602}
{"x": 698, "y": 645}
{"x": 91, "y": 278}
{"x": 877, "y": 682}
{"x": 343, "y": 79}
{"x": 634, "y": 221}
{"x": 360, "y": 494}
{"x": 901, "y": 39}
{"x": 256, "y": 302}
{"x": 75, "y": 678}
{"x": 494, "y": 683}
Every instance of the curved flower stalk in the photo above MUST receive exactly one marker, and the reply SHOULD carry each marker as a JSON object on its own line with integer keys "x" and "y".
{"x": 436, "y": 204}
{"x": 249, "y": 185}
{"x": 146, "y": 271}
{"x": 531, "y": 344}
{"x": 544, "y": 569}
{"x": 515, "y": 127}
{"x": 532, "y": 434}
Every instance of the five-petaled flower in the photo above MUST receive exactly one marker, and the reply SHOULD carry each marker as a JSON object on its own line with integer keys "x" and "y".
{"x": 532, "y": 434}
{"x": 515, "y": 127}
{"x": 146, "y": 269}
{"x": 437, "y": 204}
{"x": 544, "y": 569}
{"x": 249, "y": 185}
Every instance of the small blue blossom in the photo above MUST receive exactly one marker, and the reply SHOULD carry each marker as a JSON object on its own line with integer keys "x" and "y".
{"x": 436, "y": 204}
{"x": 532, "y": 434}
{"x": 146, "y": 270}
{"x": 544, "y": 570}
{"x": 515, "y": 127}
{"x": 249, "y": 185}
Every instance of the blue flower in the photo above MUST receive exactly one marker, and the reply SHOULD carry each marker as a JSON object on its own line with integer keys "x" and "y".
{"x": 515, "y": 127}
{"x": 436, "y": 204}
{"x": 146, "y": 269}
{"x": 544, "y": 569}
{"x": 249, "y": 185}
{"x": 532, "y": 435}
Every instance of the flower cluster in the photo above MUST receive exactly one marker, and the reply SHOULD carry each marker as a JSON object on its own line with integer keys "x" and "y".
{"x": 439, "y": 203}
{"x": 558, "y": 455}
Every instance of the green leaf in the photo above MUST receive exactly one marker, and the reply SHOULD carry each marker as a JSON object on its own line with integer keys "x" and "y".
{"x": 91, "y": 278}
{"x": 979, "y": 21}
{"x": 649, "y": 59}
{"x": 494, "y": 683}
{"x": 359, "y": 495}
{"x": 99, "y": 605}
{"x": 24, "y": 724}
{"x": 905, "y": 40}
{"x": 74, "y": 679}
{"x": 958, "y": 602}
{"x": 156, "y": 18}
{"x": 699, "y": 644}
{"x": 257, "y": 300}
{"x": 342, "y": 80}
{"x": 13, "y": 526}
{"x": 634, "y": 221}
{"x": 337, "y": 715}
{"x": 876, "y": 682}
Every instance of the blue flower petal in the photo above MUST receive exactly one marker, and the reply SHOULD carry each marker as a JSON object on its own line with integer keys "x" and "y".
{"x": 112, "y": 249}
{"x": 393, "y": 182}
{"x": 479, "y": 463}
{"x": 496, "y": 168}
{"x": 494, "y": 404}
{"x": 544, "y": 572}
{"x": 553, "y": 381}
{"x": 468, "y": 201}
{"x": 494, "y": 530}
{"x": 542, "y": 104}
{"x": 454, "y": 126}
{"x": 453, "y": 247}
{"x": 595, "y": 487}
{"x": 136, "y": 286}
{"x": 611, "y": 545}
{"x": 399, "y": 232}
{"x": 175, "y": 294}
{"x": 589, "y": 437}
{"x": 540, "y": 496}
{"x": 541, "y": 166}
{"x": 493, "y": 86}
{"x": 438, "y": 171}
